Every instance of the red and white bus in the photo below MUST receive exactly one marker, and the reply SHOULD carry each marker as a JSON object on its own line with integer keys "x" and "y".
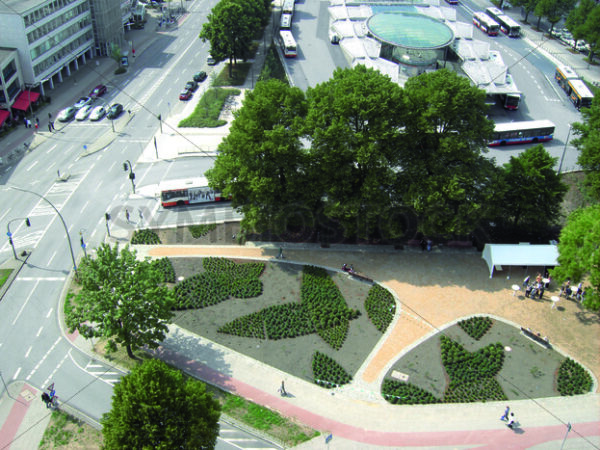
{"x": 486, "y": 24}
{"x": 288, "y": 44}
{"x": 187, "y": 192}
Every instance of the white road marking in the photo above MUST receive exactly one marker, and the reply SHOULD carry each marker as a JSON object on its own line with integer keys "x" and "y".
{"x": 28, "y": 351}
{"x": 52, "y": 257}
{"x": 47, "y": 380}
{"x": 39, "y": 331}
{"x": 37, "y": 366}
{"x": 51, "y": 148}
{"x": 97, "y": 374}
{"x": 5, "y": 213}
{"x": 41, "y": 279}
{"x": 49, "y": 312}
{"x": 16, "y": 374}
{"x": 25, "y": 302}
{"x": 85, "y": 205}
{"x": 32, "y": 165}
{"x": 111, "y": 166}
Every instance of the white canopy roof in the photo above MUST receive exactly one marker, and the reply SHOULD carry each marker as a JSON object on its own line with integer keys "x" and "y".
{"x": 519, "y": 255}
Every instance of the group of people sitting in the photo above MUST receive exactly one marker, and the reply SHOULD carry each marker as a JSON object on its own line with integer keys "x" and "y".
{"x": 537, "y": 287}
{"x": 578, "y": 293}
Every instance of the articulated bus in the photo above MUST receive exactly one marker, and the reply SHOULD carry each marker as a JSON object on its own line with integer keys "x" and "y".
{"x": 507, "y": 25}
{"x": 187, "y": 192}
{"x": 486, "y": 24}
{"x": 563, "y": 74}
{"x": 288, "y": 44}
{"x": 288, "y": 7}
{"x": 522, "y": 132}
{"x": 580, "y": 94}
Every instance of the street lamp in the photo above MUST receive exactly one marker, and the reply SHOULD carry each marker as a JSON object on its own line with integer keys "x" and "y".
{"x": 127, "y": 166}
{"x": 61, "y": 219}
{"x": 9, "y": 234}
{"x": 564, "y": 151}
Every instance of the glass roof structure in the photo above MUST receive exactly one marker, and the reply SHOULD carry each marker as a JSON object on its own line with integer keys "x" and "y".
{"x": 410, "y": 30}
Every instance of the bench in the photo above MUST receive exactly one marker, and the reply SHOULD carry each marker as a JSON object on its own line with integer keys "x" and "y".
{"x": 536, "y": 337}
{"x": 460, "y": 244}
{"x": 361, "y": 277}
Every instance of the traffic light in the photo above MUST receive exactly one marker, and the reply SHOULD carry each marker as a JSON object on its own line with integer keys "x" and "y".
{"x": 124, "y": 167}
{"x": 159, "y": 117}
{"x": 27, "y": 222}
{"x": 107, "y": 216}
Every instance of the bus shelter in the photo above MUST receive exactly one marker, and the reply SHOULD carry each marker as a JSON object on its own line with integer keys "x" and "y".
{"x": 498, "y": 255}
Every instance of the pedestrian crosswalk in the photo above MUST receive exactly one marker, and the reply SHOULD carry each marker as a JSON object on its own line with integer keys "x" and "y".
{"x": 102, "y": 372}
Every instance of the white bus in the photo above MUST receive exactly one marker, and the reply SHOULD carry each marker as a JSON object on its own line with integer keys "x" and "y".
{"x": 288, "y": 44}
{"x": 187, "y": 192}
{"x": 507, "y": 25}
{"x": 288, "y": 7}
{"x": 486, "y": 24}
{"x": 522, "y": 132}
{"x": 286, "y": 22}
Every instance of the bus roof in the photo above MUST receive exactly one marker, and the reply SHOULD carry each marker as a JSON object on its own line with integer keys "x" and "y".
{"x": 508, "y": 21}
{"x": 567, "y": 72}
{"x": 581, "y": 88}
{"x": 494, "y": 11}
{"x": 525, "y": 125}
{"x": 286, "y": 21}
{"x": 183, "y": 183}
{"x": 484, "y": 17}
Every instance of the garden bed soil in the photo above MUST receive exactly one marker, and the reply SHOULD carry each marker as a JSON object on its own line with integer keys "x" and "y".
{"x": 224, "y": 234}
{"x": 528, "y": 370}
{"x": 281, "y": 284}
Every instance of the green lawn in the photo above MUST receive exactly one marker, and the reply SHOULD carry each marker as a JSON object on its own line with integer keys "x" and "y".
{"x": 208, "y": 109}
{"x": 4, "y": 274}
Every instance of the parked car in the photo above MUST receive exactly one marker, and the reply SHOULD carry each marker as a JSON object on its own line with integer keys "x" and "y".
{"x": 66, "y": 114}
{"x": 210, "y": 60}
{"x": 191, "y": 85}
{"x": 114, "y": 111}
{"x": 98, "y": 91}
{"x": 83, "y": 101}
{"x": 186, "y": 94}
{"x": 98, "y": 113}
{"x": 200, "y": 76}
{"x": 83, "y": 113}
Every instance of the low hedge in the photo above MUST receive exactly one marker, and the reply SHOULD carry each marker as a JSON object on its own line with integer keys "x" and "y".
{"x": 145, "y": 237}
{"x": 573, "y": 379}
{"x": 327, "y": 372}
{"x": 381, "y": 307}
{"x": 476, "y": 327}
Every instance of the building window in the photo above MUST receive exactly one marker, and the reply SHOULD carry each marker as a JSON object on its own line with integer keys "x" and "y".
{"x": 9, "y": 70}
{"x": 13, "y": 89}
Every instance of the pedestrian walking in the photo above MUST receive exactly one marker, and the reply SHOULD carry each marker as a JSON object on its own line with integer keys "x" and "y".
{"x": 36, "y": 126}
{"x": 141, "y": 215}
{"x": 37, "y": 120}
{"x": 423, "y": 244}
{"x": 46, "y": 399}
{"x": 282, "y": 390}
{"x": 127, "y": 215}
{"x": 280, "y": 256}
{"x": 511, "y": 421}
{"x": 50, "y": 127}
{"x": 505, "y": 415}
{"x": 49, "y": 116}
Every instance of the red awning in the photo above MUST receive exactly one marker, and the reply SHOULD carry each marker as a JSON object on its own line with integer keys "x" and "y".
{"x": 4, "y": 114}
{"x": 24, "y": 99}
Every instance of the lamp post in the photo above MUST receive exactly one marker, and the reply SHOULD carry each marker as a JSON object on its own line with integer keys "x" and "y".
{"x": 9, "y": 234}
{"x": 127, "y": 166}
{"x": 61, "y": 219}
{"x": 564, "y": 151}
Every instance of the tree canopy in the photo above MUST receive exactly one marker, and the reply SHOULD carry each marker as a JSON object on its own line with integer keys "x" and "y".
{"x": 122, "y": 299}
{"x": 533, "y": 191}
{"x": 579, "y": 253}
{"x": 155, "y": 407}
{"x": 588, "y": 144}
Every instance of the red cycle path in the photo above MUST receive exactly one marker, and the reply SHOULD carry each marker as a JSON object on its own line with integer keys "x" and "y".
{"x": 15, "y": 417}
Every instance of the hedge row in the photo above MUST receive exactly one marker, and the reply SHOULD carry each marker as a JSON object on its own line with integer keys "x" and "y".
{"x": 476, "y": 327}
{"x": 145, "y": 237}
{"x": 573, "y": 379}
{"x": 466, "y": 367}
{"x": 165, "y": 266}
{"x": 482, "y": 390}
{"x": 400, "y": 393}
{"x": 381, "y": 307}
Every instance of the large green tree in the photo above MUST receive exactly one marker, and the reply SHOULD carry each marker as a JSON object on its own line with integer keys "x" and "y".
{"x": 122, "y": 299}
{"x": 588, "y": 144}
{"x": 442, "y": 173}
{"x": 230, "y": 29}
{"x": 155, "y": 407}
{"x": 579, "y": 253}
{"x": 591, "y": 31}
{"x": 533, "y": 191}
{"x": 262, "y": 163}
{"x": 527, "y": 5}
{"x": 553, "y": 10}
{"x": 353, "y": 125}
{"x": 577, "y": 17}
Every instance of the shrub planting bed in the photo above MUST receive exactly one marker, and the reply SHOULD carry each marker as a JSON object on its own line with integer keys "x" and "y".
{"x": 573, "y": 379}
{"x": 147, "y": 237}
{"x": 381, "y": 307}
{"x": 476, "y": 327}
{"x": 327, "y": 372}
{"x": 165, "y": 266}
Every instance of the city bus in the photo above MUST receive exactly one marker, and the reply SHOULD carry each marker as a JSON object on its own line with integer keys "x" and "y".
{"x": 288, "y": 44}
{"x": 508, "y": 26}
{"x": 522, "y": 132}
{"x": 580, "y": 94}
{"x": 187, "y": 192}
{"x": 562, "y": 75}
{"x": 286, "y": 22}
{"x": 486, "y": 24}
{"x": 288, "y": 7}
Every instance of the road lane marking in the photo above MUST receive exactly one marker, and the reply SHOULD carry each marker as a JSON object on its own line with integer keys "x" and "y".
{"x": 85, "y": 205}
{"x": 49, "y": 312}
{"x": 32, "y": 165}
{"x": 16, "y": 374}
{"x": 103, "y": 371}
{"x": 25, "y": 302}
{"x": 39, "y": 331}
{"x": 28, "y": 351}
{"x": 52, "y": 257}
{"x": 47, "y": 380}
{"x": 51, "y": 148}
{"x": 37, "y": 366}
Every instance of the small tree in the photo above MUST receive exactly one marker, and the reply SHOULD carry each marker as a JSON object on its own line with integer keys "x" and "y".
{"x": 122, "y": 299}
{"x": 154, "y": 407}
{"x": 587, "y": 143}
